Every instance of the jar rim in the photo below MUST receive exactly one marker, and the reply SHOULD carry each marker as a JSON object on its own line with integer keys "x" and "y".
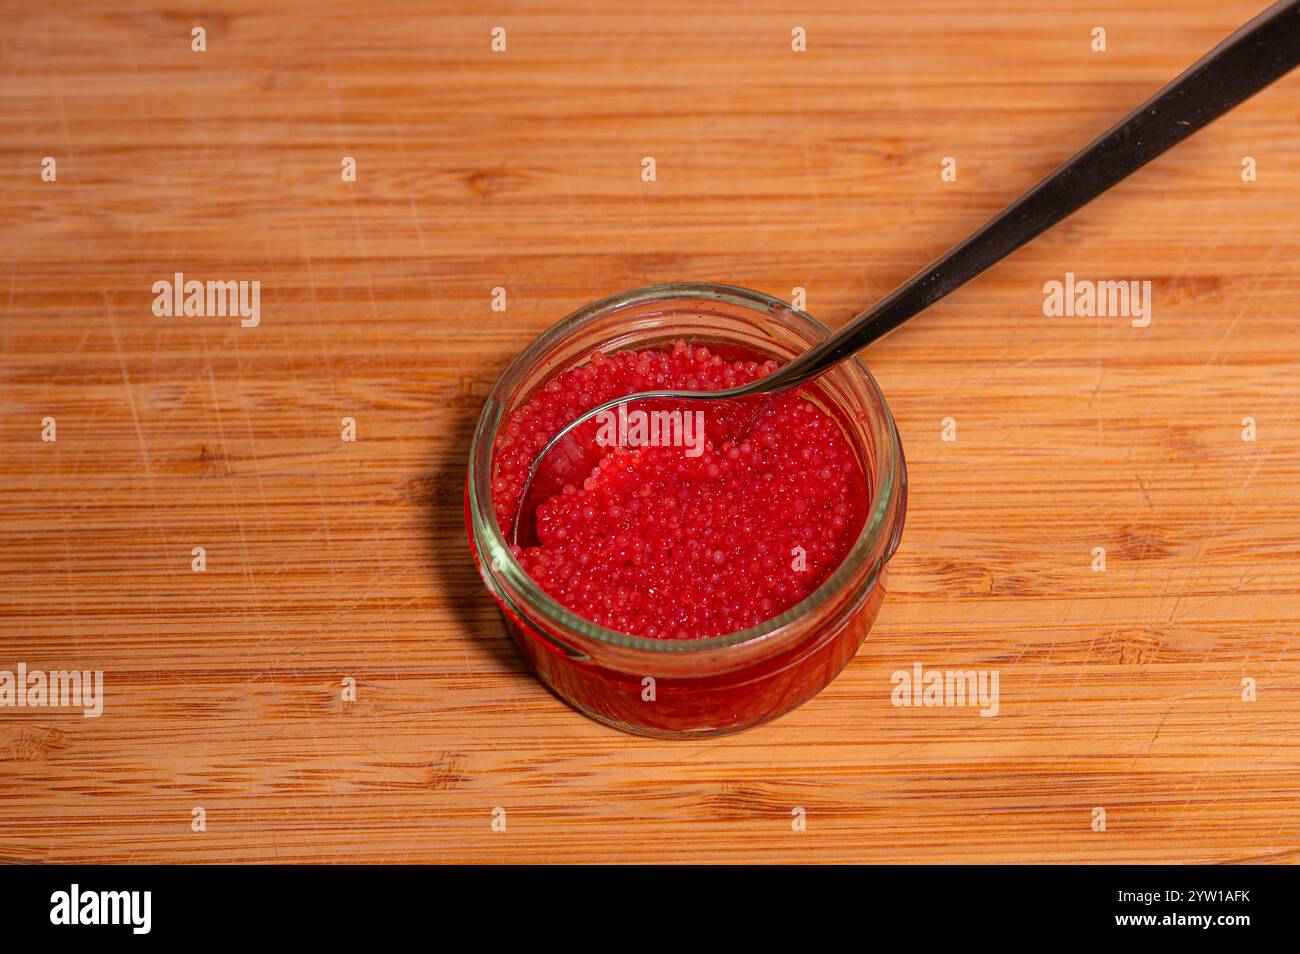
{"x": 888, "y": 480}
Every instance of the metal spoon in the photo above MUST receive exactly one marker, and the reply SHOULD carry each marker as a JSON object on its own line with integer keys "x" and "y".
{"x": 1262, "y": 51}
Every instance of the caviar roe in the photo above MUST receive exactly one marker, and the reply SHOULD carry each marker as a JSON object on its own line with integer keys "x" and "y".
{"x": 661, "y": 544}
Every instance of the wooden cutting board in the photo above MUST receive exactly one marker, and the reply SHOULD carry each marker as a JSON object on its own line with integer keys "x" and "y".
{"x": 329, "y": 560}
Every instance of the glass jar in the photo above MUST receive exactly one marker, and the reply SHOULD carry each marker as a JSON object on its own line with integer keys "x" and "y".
{"x": 692, "y": 688}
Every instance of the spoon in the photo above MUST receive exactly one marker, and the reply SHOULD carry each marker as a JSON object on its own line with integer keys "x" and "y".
{"x": 1265, "y": 49}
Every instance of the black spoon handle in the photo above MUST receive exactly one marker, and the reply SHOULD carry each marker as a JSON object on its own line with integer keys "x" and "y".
{"x": 1260, "y": 52}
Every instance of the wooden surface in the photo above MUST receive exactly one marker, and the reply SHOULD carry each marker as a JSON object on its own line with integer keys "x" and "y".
{"x": 775, "y": 169}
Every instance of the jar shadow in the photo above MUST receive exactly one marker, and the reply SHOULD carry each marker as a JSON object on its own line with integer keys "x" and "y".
{"x": 471, "y": 605}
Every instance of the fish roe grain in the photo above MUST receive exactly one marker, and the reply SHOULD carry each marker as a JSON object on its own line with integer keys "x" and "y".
{"x": 662, "y": 544}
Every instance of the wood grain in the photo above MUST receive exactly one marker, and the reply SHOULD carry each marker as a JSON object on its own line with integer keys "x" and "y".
{"x": 521, "y": 169}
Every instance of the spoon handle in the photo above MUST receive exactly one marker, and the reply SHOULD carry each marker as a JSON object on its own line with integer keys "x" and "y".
{"x": 1260, "y": 52}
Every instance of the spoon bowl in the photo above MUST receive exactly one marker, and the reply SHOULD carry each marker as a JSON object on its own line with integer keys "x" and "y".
{"x": 573, "y": 453}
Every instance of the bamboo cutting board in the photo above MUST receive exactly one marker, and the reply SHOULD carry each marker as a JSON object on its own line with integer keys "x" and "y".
{"x": 1125, "y": 690}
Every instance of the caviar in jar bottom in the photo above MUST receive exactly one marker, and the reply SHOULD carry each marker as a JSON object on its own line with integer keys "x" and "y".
{"x": 691, "y": 537}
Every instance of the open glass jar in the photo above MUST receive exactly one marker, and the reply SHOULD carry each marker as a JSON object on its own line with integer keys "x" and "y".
{"x": 691, "y": 688}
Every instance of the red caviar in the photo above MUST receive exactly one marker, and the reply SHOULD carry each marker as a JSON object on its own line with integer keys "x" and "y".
{"x": 665, "y": 543}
